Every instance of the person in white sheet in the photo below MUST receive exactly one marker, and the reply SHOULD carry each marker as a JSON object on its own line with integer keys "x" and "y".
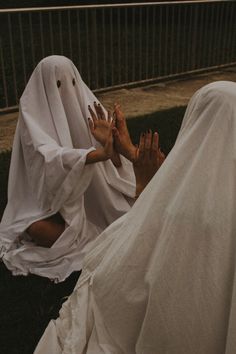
{"x": 162, "y": 278}
{"x": 66, "y": 182}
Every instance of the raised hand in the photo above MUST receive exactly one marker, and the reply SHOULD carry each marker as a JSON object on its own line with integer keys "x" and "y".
{"x": 122, "y": 142}
{"x": 99, "y": 124}
{"x": 101, "y": 128}
{"x": 148, "y": 159}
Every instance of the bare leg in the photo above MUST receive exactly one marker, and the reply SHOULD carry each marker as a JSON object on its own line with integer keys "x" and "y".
{"x": 46, "y": 232}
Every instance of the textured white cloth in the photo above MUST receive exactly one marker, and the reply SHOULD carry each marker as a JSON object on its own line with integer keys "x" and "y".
{"x": 161, "y": 279}
{"x": 48, "y": 174}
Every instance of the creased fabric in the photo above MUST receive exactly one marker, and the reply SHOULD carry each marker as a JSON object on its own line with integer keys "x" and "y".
{"x": 161, "y": 279}
{"x": 48, "y": 175}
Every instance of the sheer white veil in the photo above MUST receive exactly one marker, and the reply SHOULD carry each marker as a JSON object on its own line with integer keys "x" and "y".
{"x": 161, "y": 279}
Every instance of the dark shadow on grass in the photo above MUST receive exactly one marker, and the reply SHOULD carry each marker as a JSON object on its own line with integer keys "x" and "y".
{"x": 166, "y": 122}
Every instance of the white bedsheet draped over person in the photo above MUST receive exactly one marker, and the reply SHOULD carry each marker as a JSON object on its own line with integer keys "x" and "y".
{"x": 161, "y": 279}
{"x": 48, "y": 175}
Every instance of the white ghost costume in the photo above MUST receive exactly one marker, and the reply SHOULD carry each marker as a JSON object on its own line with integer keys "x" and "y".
{"x": 48, "y": 175}
{"x": 161, "y": 279}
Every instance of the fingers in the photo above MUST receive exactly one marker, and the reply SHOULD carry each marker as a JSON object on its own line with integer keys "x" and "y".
{"x": 149, "y": 146}
{"x": 115, "y": 132}
{"x": 118, "y": 113}
{"x": 91, "y": 126}
{"x": 148, "y": 141}
{"x": 155, "y": 142}
{"x": 93, "y": 115}
{"x": 99, "y": 111}
{"x": 109, "y": 117}
{"x": 160, "y": 157}
{"x": 141, "y": 149}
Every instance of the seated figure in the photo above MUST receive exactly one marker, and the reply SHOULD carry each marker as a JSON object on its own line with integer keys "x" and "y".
{"x": 67, "y": 183}
{"x": 161, "y": 279}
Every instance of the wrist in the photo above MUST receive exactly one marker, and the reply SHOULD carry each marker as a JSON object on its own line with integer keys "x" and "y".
{"x": 139, "y": 189}
{"x": 132, "y": 153}
{"x": 96, "y": 155}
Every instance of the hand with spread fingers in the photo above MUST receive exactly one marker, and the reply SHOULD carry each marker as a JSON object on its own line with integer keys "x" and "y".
{"x": 99, "y": 124}
{"x": 122, "y": 142}
{"x": 102, "y": 130}
{"x": 148, "y": 160}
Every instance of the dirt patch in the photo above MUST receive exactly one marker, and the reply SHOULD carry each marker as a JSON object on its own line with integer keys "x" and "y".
{"x": 138, "y": 101}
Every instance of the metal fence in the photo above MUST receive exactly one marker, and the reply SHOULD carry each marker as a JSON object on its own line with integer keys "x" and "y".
{"x": 117, "y": 45}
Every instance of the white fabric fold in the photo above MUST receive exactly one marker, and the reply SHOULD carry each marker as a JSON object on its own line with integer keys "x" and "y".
{"x": 48, "y": 174}
{"x": 161, "y": 279}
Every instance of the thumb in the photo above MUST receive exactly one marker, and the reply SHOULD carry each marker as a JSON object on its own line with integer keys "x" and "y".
{"x": 115, "y": 132}
{"x": 90, "y": 125}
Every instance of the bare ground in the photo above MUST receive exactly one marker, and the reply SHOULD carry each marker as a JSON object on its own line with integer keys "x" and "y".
{"x": 138, "y": 101}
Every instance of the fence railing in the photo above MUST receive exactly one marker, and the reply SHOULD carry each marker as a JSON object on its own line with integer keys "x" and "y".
{"x": 117, "y": 45}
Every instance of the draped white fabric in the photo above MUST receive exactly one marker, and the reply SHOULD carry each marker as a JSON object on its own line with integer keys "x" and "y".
{"x": 48, "y": 174}
{"x": 161, "y": 279}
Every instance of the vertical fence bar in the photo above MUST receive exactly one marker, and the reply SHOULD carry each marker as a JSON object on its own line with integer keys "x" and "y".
{"x": 166, "y": 39}
{"x": 205, "y": 46}
{"x": 226, "y": 33}
{"x": 160, "y": 43}
{"x": 233, "y": 47}
{"x": 60, "y": 32}
{"x": 51, "y": 32}
{"x": 12, "y": 58}
{"x": 216, "y": 35}
{"x": 79, "y": 41}
{"x": 3, "y": 75}
{"x": 194, "y": 39}
{"x": 230, "y": 56}
{"x": 32, "y": 39}
{"x": 228, "y": 30}
{"x": 209, "y": 32}
{"x": 104, "y": 48}
{"x": 200, "y": 37}
{"x": 146, "y": 54}
{"x": 140, "y": 43}
{"x": 178, "y": 69}
{"x": 221, "y": 38}
{"x": 184, "y": 36}
{"x": 111, "y": 43}
{"x": 212, "y": 31}
{"x": 126, "y": 46}
{"x": 69, "y": 33}
{"x": 95, "y": 46}
{"x": 172, "y": 42}
{"x": 41, "y": 33}
{"x": 133, "y": 42}
{"x": 190, "y": 37}
{"x": 87, "y": 47}
{"x": 119, "y": 46}
{"x": 22, "y": 48}
{"x": 147, "y": 42}
{"x": 153, "y": 40}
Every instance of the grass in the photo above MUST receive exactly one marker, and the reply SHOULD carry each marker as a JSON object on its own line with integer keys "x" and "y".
{"x": 28, "y": 303}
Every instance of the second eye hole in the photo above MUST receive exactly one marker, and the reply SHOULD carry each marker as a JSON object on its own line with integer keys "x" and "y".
{"x": 73, "y": 81}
